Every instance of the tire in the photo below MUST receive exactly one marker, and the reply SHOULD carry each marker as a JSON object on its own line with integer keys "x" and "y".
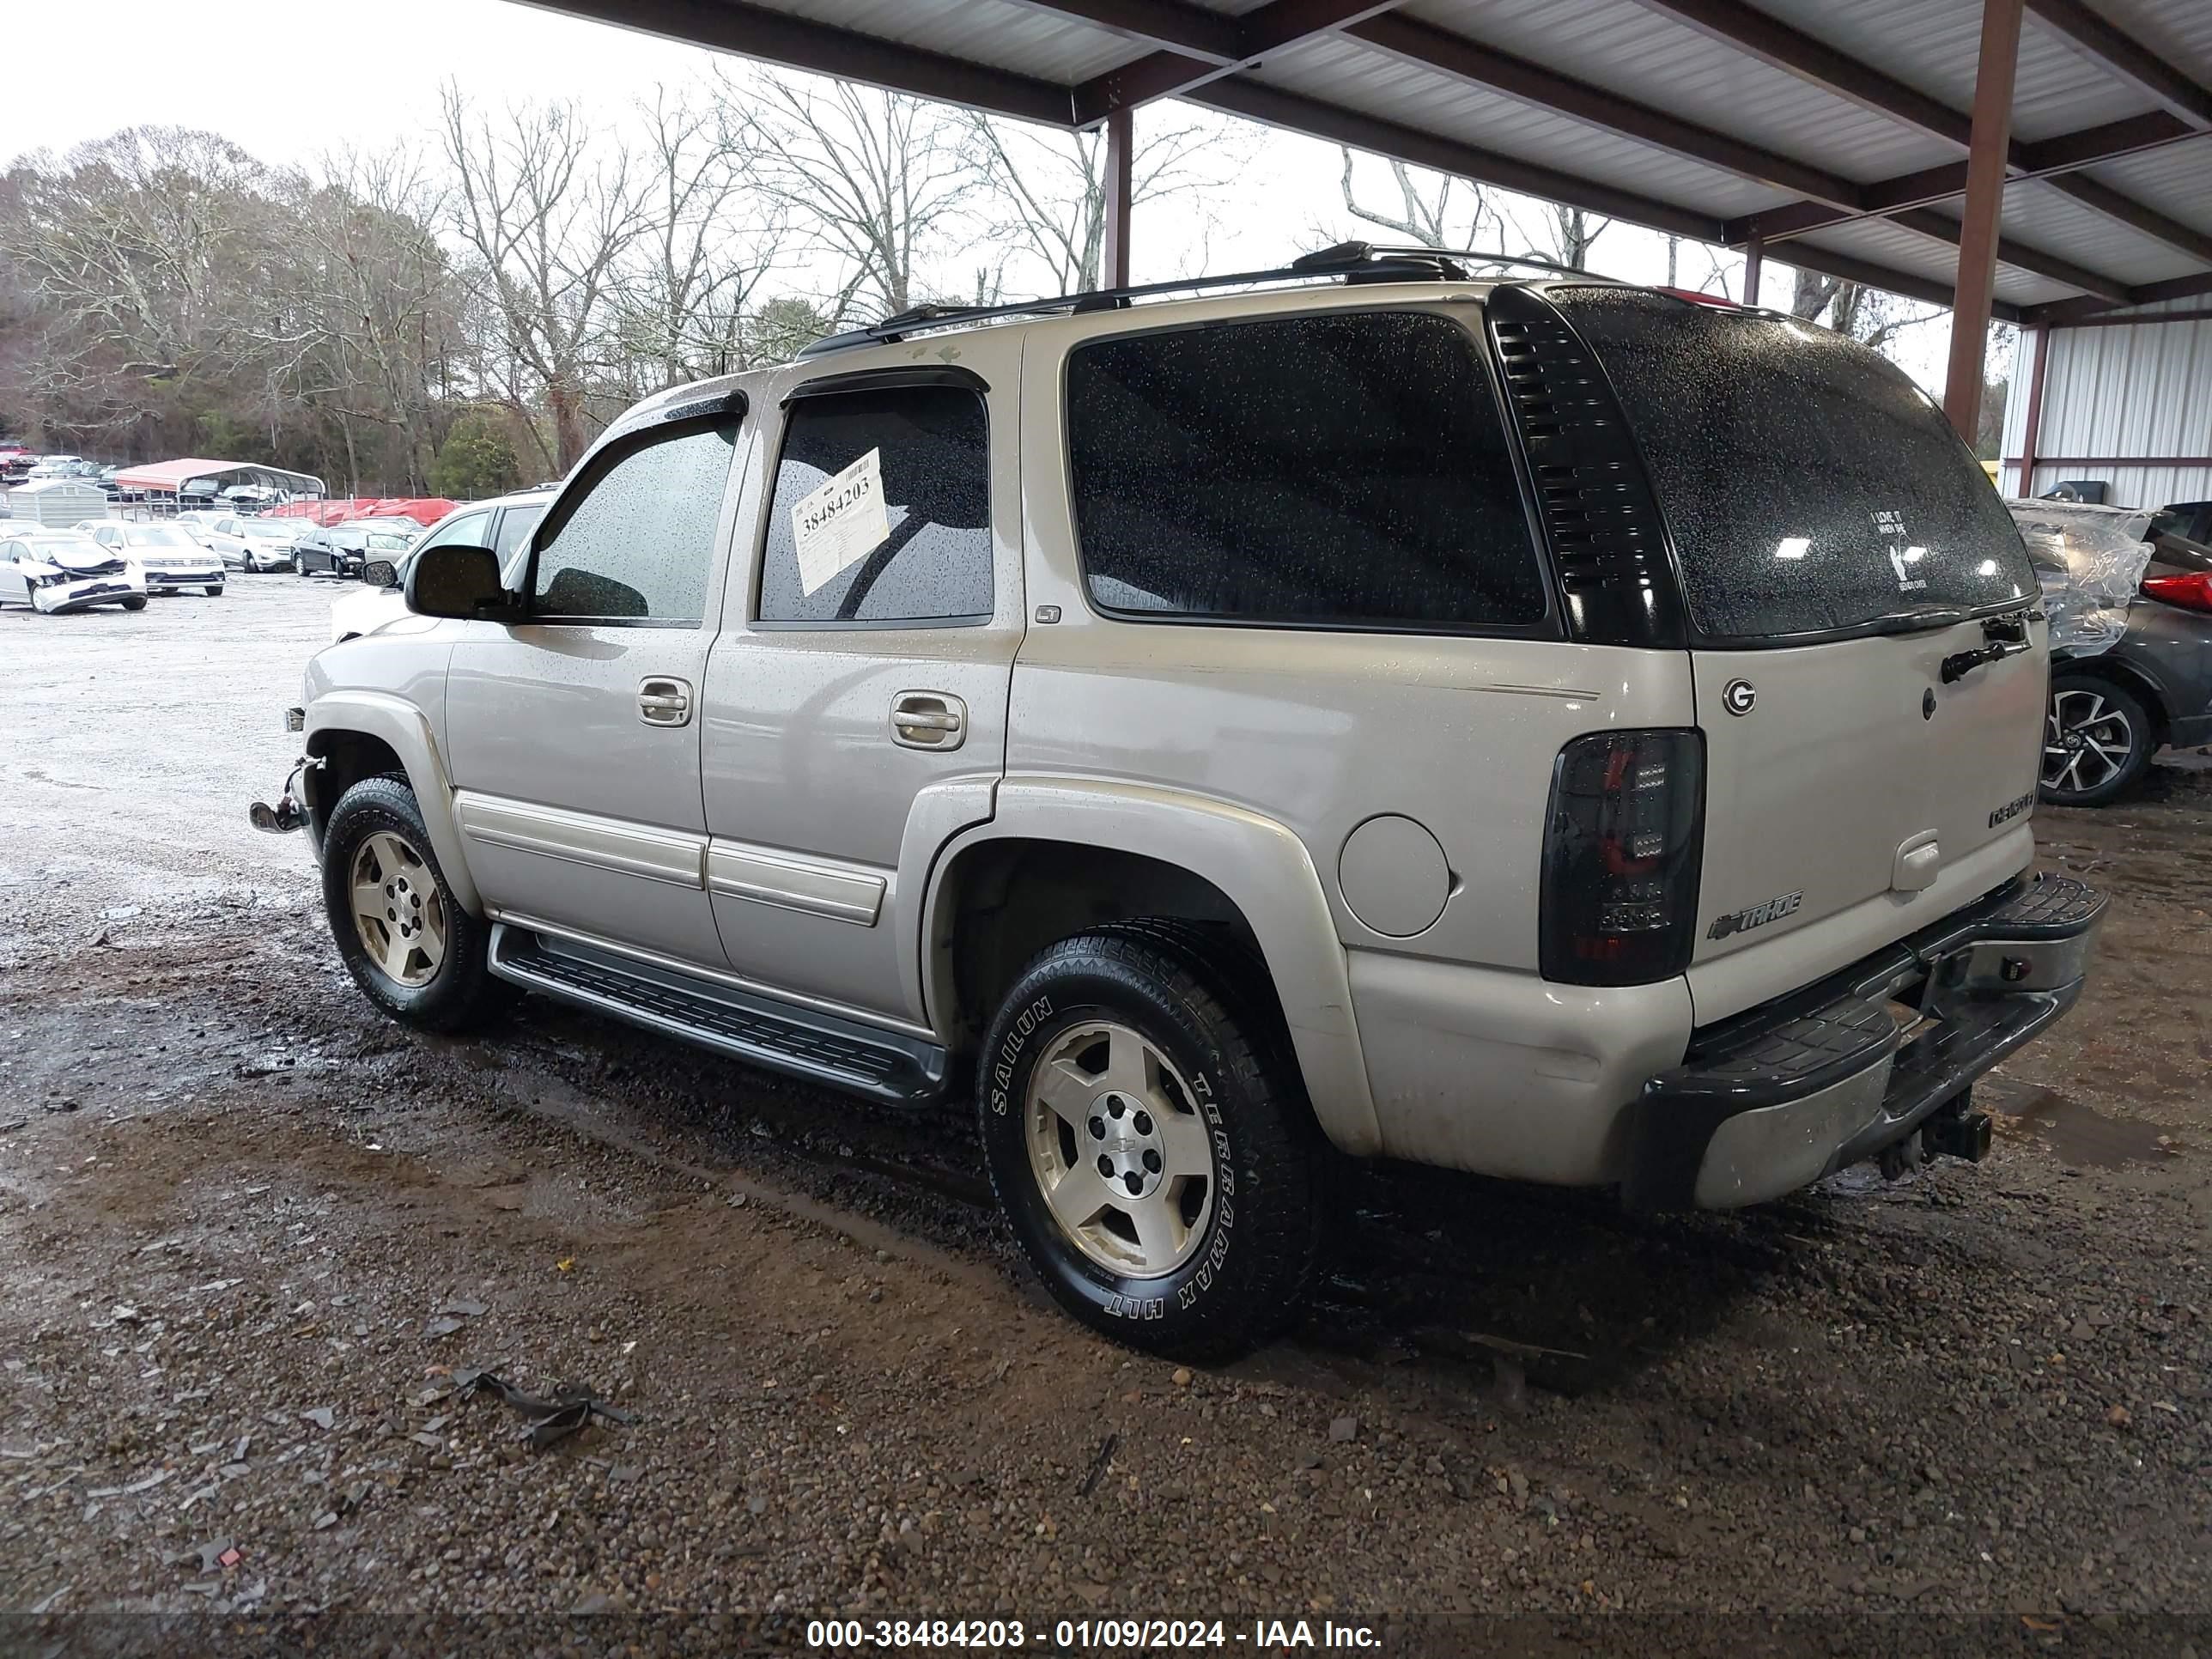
{"x": 2099, "y": 738}
{"x": 425, "y": 962}
{"x": 136, "y": 602}
{"x": 1125, "y": 1045}
{"x": 215, "y": 592}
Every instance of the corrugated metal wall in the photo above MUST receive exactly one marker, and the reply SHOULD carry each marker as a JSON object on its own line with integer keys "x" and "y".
{"x": 2120, "y": 391}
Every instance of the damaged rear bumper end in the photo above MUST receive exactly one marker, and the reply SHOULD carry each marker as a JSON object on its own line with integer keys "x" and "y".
{"x": 1776, "y": 1097}
{"x": 289, "y": 813}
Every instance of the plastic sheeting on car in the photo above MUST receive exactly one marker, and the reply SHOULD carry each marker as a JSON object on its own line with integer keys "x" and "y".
{"x": 2090, "y": 562}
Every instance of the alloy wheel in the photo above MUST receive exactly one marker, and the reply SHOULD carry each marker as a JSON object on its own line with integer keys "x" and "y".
{"x": 1119, "y": 1149}
{"x": 398, "y": 911}
{"x": 2087, "y": 742}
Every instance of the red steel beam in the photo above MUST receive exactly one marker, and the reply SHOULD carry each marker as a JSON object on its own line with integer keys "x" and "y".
{"x": 1121, "y": 155}
{"x": 754, "y": 31}
{"x": 1532, "y": 84}
{"x": 2156, "y": 318}
{"x": 1791, "y": 50}
{"x": 1943, "y": 228}
{"x": 1768, "y": 39}
{"x": 2034, "y": 428}
{"x": 2049, "y": 159}
{"x": 1265, "y": 29}
{"x": 1480, "y": 65}
{"x": 1255, "y": 101}
{"x": 1169, "y": 24}
{"x": 1995, "y": 69}
{"x": 2119, "y": 460}
{"x": 2127, "y": 57}
{"x": 2071, "y": 310}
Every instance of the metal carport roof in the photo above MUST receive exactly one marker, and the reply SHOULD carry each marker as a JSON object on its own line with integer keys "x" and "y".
{"x": 1837, "y": 132}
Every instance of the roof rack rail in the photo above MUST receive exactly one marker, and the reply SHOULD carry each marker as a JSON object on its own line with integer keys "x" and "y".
{"x": 1474, "y": 257}
{"x": 1354, "y": 261}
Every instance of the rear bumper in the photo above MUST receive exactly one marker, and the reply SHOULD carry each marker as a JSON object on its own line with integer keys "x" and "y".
{"x": 1781, "y": 1095}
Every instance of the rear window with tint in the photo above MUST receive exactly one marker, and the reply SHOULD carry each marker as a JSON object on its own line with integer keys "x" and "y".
{"x": 1348, "y": 469}
{"x": 1809, "y": 485}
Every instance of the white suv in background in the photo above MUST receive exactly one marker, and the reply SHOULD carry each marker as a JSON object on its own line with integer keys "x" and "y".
{"x": 244, "y": 543}
{"x": 503, "y": 524}
{"x": 1545, "y": 728}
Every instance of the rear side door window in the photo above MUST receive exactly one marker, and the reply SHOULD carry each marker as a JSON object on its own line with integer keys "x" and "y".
{"x": 882, "y": 512}
{"x": 637, "y": 545}
{"x": 1342, "y": 470}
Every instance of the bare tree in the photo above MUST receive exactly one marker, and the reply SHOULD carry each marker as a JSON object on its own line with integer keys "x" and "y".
{"x": 1049, "y": 187}
{"x": 872, "y": 179}
{"x": 1868, "y": 315}
{"x": 141, "y": 250}
{"x": 547, "y": 215}
{"x": 1564, "y": 234}
{"x": 684, "y": 294}
{"x": 1428, "y": 207}
{"x": 376, "y": 291}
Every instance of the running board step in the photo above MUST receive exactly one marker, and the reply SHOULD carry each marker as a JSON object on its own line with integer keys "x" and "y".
{"x": 780, "y": 1037}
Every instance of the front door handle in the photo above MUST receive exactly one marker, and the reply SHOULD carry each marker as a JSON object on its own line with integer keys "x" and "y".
{"x": 664, "y": 700}
{"x": 928, "y": 719}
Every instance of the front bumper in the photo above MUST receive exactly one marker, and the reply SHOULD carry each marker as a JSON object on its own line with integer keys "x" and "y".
{"x": 1775, "y": 1099}
{"x": 168, "y": 581}
{"x": 57, "y": 599}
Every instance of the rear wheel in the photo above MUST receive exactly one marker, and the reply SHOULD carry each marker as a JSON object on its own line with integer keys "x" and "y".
{"x": 403, "y": 935}
{"x": 1151, "y": 1145}
{"x": 2098, "y": 739}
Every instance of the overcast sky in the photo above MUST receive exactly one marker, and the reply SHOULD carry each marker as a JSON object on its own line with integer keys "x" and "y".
{"x": 286, "y": 81}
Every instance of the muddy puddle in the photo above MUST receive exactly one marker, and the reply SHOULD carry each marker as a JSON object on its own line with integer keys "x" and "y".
{"x": 2082, "y": 1135}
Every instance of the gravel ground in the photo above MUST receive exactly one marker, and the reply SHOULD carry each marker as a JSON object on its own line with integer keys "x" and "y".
{"x": 252, "y": 1235}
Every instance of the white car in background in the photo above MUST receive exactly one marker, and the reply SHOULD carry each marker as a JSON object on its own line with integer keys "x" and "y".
{"x": 58, "y": 571}
{"x": 172, "y": 560}
{"x": 503, "y": 525}
{"x": 245, "y": 544}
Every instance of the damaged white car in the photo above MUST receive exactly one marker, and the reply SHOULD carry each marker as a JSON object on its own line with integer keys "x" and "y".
{"x": 59, "y": 570}
{"x": 172, "y": 560}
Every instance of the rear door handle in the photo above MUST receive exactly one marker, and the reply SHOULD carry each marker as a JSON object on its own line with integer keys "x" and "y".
{"x": 664, "y": 700}
{"x": 928, "y": 719}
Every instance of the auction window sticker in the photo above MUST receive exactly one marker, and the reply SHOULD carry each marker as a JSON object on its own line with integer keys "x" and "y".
{"x": 840, "y": 523}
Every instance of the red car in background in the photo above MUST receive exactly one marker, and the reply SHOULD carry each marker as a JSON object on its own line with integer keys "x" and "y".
{"x": 14, "y": 463}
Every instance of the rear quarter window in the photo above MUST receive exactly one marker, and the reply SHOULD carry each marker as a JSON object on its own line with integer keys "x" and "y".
{"x": 1809, "y": 485}
{"x": 1337, "y": 469}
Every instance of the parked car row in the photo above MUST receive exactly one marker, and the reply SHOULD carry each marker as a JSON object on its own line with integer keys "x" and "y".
{"x": 171, "y": 558}
{"x": 58, "y": 571}
{"x": 113, "y": 562}
{"x": 245, "y": 543}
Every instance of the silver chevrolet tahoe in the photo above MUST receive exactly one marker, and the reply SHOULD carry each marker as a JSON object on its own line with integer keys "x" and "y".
{"x": 1534, "y": 725}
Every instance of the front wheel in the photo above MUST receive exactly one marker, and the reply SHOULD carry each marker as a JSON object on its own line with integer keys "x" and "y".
{"x": 136, "y": 602}
{"x": 2098, "y": 739}
{"x": 1150, "y": 1142}
{"x": 214, "y": 592}
{"x": 402, "y": 934}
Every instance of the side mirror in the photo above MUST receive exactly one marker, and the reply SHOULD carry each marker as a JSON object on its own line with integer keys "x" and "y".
{"x": 380, "y": 573}
{"x": 459, "y": 581}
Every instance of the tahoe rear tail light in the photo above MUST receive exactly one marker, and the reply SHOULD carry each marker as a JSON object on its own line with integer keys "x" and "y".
{"x": 2192, "y": 592}
{"x": 1621, "y": 858}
